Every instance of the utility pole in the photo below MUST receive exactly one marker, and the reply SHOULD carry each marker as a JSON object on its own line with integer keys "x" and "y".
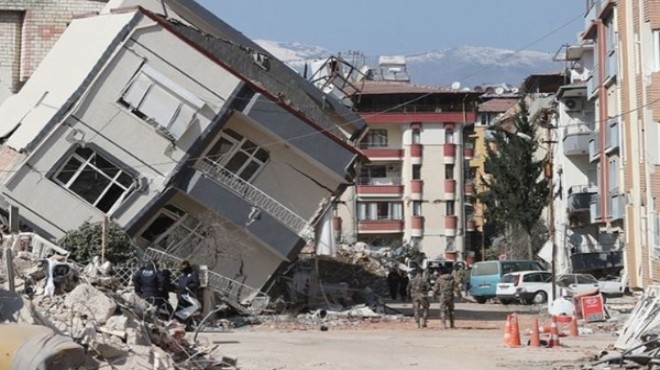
{"x": 549, "y": 172}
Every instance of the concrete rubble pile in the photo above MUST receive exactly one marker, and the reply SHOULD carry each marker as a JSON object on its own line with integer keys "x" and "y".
{"x": 112, "y": 324}
{"x": 638, "y": 342}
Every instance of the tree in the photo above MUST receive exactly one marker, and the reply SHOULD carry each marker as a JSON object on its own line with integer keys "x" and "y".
{"x": 516, "y": 190}
{"x": 85, "y": 243}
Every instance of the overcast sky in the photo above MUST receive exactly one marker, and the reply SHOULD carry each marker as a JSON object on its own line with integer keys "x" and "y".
{"x": 405, "y": 27}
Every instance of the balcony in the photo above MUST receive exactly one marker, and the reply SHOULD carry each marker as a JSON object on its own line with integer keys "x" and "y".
{"x": 470, "y": 225}
{"x": 616, "y": 206}
{"x": 416, "y": 189}
{"x": 416, "y": 150}
{"x": 254, "y": 196}
{"x": 417, "y": 226}
{"x": 384, "y": 186}
{"x": 593, "y": 9}
{"x": 380, "y": 226}
{"x": 594, "y": 147}
{"x": 576, "y": 143}
{"x": 594, "y": 208}
{"x": 450, "y": 189}
{"x": 379, "y": 153}
{"x": 592, "y": 84}
{"x": 469, "y": 189}
{"x": 468, "y": 152}
{"x": 449, "y": 151}
{"x": 612, "y": 66}
{"x": 451, "y": 221}
{"x": 579, "y": 199}
{"x": 612, "y": 135}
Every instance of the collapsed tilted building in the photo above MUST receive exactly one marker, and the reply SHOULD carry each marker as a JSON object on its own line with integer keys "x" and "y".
{"x": 186, "y": 133}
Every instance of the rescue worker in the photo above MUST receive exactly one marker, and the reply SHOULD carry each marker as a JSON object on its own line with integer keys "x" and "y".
{"x": 459, "y": 278}
{"x": 188, "y": 283}
{"x": 146, "y": 283}
{"x": 418, "y": 292}
{"x": 165, "y": 286}
{"x": 444, "y": 289}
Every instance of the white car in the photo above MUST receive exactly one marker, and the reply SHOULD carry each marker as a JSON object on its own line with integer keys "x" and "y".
{"x": 525, "y": 286}
{"x": 577, "y": 283}
{"x": 612, "y": 286}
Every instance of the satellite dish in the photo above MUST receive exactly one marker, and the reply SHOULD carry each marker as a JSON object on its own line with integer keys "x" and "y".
{"x": 499, "y": 90}
{"x": 455, "y": 85}
{"x": 515, "y": 90}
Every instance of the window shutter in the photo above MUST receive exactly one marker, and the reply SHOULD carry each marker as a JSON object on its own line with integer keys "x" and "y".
{"x": 138, "y": 90}
{"x": 180, "y": 123}
{"x": 160, "y": 106}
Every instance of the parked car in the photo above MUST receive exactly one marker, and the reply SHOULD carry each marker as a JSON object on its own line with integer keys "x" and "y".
{"x": 612, "y": 286}
{"x": 577, "y": 283}
{"x": 485, "y": 276}
{"x": 525, "y": 286}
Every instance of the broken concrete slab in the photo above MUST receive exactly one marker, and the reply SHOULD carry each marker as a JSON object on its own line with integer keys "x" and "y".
{"x": 85, "y": 299}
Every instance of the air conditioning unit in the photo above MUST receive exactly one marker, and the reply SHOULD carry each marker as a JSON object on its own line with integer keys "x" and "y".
{"x": 573, "y": 105}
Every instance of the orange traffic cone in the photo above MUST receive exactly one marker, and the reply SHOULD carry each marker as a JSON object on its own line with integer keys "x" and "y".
{"x": 573, "y": 327}
{"x": 514, "y": 332}
{"x": 507, "y": 331}
{"x": 554, "y": 334}
{"x": 535, "y": 340}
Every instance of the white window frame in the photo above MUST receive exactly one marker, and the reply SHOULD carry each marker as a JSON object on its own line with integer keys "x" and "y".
{"x": 376, "y": 138}
{"x": 161, "y": 102}
{"x": 86, "y": 164}
{"x": 417, "y": 208}
{"x": 237, "y": 140}
{"x": 450, "y": 208}
{"x": 416, "y": 136}
{"x": 656, "y": 51}
{"x": 183, "y": 221}
{"x": 368, "y": 211}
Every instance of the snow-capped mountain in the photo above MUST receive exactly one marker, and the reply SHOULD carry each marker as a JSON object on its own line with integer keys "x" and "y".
{"x": 471, "y": 65}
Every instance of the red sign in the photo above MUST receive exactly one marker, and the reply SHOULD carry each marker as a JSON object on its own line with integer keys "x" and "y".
{"x": 592, "y": 308}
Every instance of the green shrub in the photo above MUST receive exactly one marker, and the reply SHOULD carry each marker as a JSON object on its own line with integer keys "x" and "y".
{"x": 85, "y": 243}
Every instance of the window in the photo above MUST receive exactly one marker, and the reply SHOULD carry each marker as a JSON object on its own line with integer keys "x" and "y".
{"x": 95, "y": 179}
{"x": 656, "y": 51}
{"x": 417, "y": 208}
{"x": 450, "y": 208}
{"x": 586, "y": 279}
{"x": 174, "y": 230}
{"x": 449, "y": 136}
{"x": 238, "y": 155}
{"x": 372, "y": 211}
{"x": 375, "y": 138}
{"x": 416, "y": 171}
{"x": 533, "y": 278}
{"x": 161, "y": 102}
{"x": 449, "y": 172}
{"x": 416, "y": 136}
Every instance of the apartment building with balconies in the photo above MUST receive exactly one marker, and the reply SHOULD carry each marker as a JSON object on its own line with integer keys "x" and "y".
{"x": 638, "y": 54}
{"x": 413, "y": 190}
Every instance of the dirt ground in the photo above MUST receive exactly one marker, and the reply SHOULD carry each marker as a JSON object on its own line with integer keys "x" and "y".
{"x": 396, "y": 344}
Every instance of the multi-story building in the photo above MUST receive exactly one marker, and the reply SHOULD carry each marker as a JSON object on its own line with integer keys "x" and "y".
{"x": 28, "y": 29}
{"x": 187, "y": 134}
{"x": 413, "y": 190}
{"x": 636, "y": 27}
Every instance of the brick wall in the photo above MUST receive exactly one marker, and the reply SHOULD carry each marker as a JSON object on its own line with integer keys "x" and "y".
{"x": 29, "y": 28}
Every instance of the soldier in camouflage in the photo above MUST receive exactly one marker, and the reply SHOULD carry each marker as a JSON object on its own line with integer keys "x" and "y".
{"x": 444, "y": 288}
{"x": 419, "y": 290}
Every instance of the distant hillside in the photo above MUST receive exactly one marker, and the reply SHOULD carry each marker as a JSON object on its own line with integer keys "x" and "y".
{"x": 470, "y": 65}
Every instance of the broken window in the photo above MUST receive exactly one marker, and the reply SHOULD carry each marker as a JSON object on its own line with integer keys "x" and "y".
{"x": 238, "y": 155}
{"x": 174, "y": 231}
{"x": 95, "y": 179}
{"x": 161, "y": 102}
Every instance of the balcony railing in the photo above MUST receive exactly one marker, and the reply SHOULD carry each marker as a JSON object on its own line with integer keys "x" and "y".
{"x": 592, "y": 84}
{"x": 612, "y": 65}
{"x": 576, "y": 143}
{"x": 379, "y": 181}
{"x": 579, "y": 198}
{"x": 594, "y": 208}
{"x": 256, "y": 197}
{"x": 594, "y": 147}
{"x": 612, "y": 135}
{"x": 616, "y": 204}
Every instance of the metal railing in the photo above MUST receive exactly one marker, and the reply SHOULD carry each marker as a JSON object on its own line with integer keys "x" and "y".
{"x": 375, "y": 181}
{"x": 241, "y": 297}
{"x": 256, "y": 197}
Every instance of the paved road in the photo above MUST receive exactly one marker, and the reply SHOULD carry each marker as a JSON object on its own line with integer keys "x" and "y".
{"x": 402, "y": 346}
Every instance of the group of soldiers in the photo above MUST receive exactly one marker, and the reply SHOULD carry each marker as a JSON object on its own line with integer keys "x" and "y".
{"x": 444, "y": 286}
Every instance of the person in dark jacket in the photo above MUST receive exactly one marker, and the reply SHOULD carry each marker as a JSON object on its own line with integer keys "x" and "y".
{"x": 146, "y": 283}
{"x": 165, "y": 286}
{"x": 188, "y": 283}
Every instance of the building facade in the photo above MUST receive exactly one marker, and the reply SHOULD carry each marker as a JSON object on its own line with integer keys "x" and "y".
{"x": 413, "y": 190}
{"x": 186, "y": 136}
